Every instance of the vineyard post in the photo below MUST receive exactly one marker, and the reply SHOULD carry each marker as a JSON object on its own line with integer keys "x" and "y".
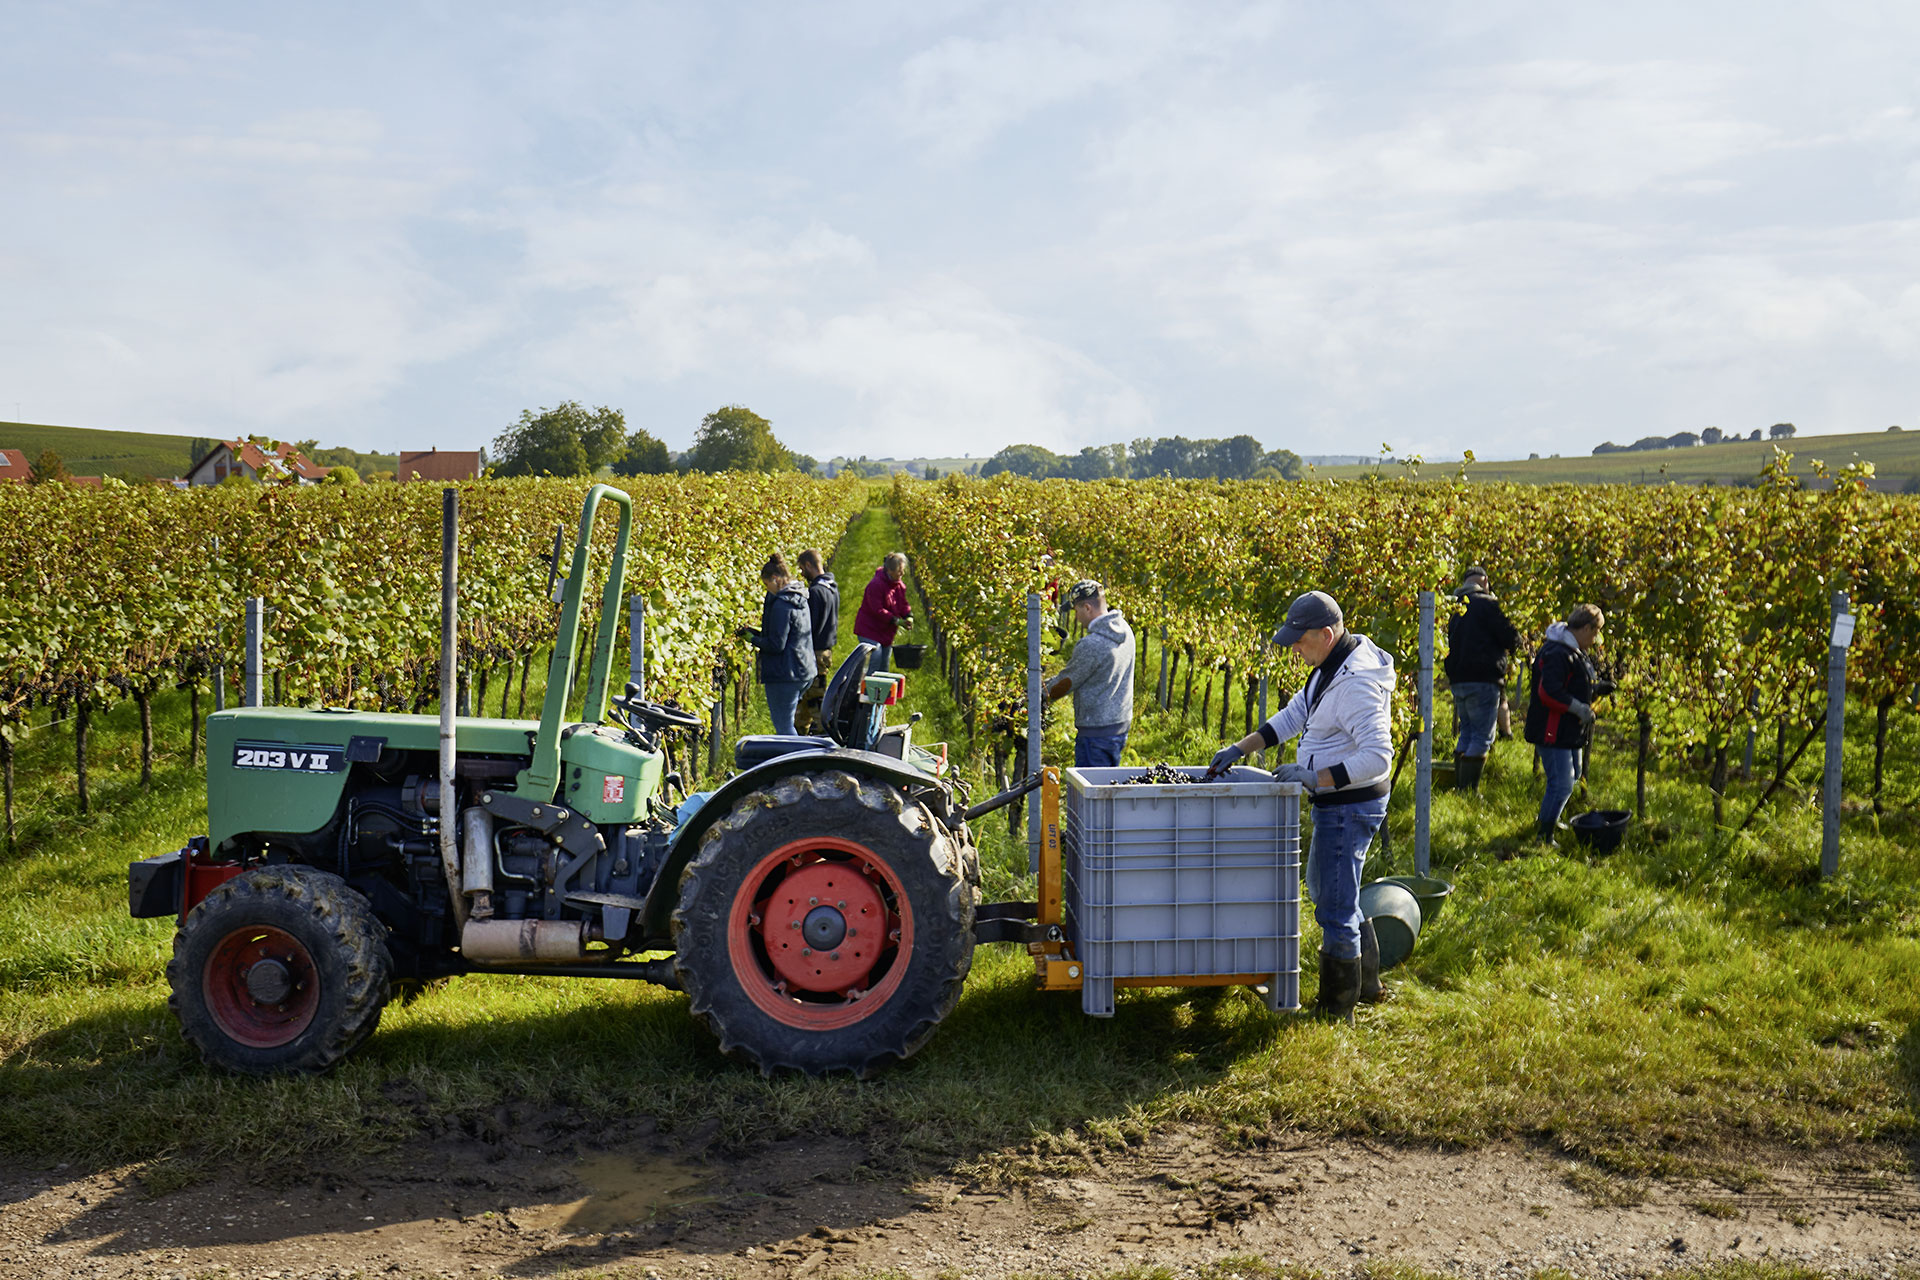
{"x": 255, "y": 607}
{"x": 1746, "y": 761}
{"x": 1423, "y": 763}
{"x": 1033, "y": 725}
{"x": 449, "y": 663}
{"x": 637, "y": 642}
{"x": 1160, "y": 695}
{"x": 1261, "y": 755}
{"x": 1836, "y": 734}
{"x": 219, "y": 684}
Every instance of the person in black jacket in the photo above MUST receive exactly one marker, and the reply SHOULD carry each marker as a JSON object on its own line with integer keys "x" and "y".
{"x": 823, "y": 607}
{"x": 785, "y": 641}
{"x": 1480, "y": 642}
{"x": 1560, "y": 706}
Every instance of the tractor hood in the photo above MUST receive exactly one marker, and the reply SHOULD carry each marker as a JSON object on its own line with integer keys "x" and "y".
{"x": 284, "y": 768}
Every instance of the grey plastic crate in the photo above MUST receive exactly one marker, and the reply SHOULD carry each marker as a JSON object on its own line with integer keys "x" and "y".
{"x": 1173, "y": 880}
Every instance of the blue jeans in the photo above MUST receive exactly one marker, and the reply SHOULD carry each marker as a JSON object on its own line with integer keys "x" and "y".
{"x": 782, "y": 697}
{"x": 880, "y": 659}
{"x": 1475, "y": 706}
{"x": 1341, "y": 834}
{"x": 1098, "y": 751}
{"x": 1559, "y": 764}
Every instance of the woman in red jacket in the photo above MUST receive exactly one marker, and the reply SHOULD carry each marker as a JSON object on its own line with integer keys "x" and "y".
{"x": 884, "y": 610}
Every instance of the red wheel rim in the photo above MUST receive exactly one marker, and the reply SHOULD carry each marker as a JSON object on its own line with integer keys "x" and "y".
{"x": 814, "y": 891}
{"x": 261, "y": 986}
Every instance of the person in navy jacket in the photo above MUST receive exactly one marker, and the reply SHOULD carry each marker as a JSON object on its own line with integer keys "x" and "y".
{"x": 1560, "y": 707}
{"x": 785, "y": 641}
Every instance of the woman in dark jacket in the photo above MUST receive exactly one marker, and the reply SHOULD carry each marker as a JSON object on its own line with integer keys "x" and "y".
{"x": 785, "y": 641}
{"x": 1560, "y": 706}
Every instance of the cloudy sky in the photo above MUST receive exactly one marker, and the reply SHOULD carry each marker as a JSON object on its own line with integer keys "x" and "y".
{"x": 942, "y": 227}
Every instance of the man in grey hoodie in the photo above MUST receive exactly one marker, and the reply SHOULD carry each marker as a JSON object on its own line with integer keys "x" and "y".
{"x": 1099, "y": 674}
{"x": 1345, "y": 759}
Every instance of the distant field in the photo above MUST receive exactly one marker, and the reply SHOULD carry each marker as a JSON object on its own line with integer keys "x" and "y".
{"x": 88, "y": 452}
{"x": 1894, "y": 454}
{"x": 99, "y": 453}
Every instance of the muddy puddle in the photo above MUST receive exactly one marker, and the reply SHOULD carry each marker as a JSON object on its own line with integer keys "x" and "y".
{"x": 622, "y": 1192}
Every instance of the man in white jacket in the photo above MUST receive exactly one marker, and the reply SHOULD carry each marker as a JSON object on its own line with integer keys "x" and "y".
{"x": 1341, "y": 716}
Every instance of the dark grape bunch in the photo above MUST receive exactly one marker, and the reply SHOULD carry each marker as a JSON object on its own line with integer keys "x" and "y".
{"x": 1161, "y": 772}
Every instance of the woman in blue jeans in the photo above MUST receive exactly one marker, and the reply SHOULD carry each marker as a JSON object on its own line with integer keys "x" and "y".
{"x": 1560, "y": 707}
{"x": 785, "y": 642}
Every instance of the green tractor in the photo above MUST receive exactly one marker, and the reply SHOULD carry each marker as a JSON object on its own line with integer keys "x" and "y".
{"x": 818, "y": 908}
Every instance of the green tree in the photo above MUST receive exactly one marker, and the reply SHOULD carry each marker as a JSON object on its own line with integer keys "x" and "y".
{"x": 1286, "y": 462}
{"x": 552, "y": 442}
{"x": 1097, "y": 462}
{"x": 735, "y": 438}
{"x": 1781, "y": 430}
{"x": 646, "y": 455}
{"x": 343, "y": 475}
{"x": 1029, "y": 460}
{"x": 48, "y": 468}
{"x": 198, "y": 448}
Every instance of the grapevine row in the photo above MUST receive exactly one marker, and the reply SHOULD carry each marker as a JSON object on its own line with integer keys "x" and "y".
{"x": 120, "y": 592}
{"x": 1717, "y": 600}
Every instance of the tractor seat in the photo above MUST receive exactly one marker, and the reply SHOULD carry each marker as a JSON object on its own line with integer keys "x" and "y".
{"x": 758, "y": 748}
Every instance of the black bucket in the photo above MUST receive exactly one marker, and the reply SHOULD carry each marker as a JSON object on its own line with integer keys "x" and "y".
{"x": 908, "y": 657}
{"x": 1602, "y": 830}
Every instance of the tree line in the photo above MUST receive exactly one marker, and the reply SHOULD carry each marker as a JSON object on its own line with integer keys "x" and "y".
{"x": 1690, "y": 439}
{"x": 1232, "y": 458}
{"x": 572, "y": 440}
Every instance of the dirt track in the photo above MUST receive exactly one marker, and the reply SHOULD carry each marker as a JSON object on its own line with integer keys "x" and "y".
{"x": 817, "y": 1208}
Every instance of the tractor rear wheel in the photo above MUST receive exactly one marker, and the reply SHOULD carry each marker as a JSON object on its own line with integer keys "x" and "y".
{"x": 282, "y": 968}
{"x": 825, "y": 925}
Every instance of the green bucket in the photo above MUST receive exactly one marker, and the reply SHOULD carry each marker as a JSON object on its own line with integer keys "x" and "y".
{"x": 1395, "y": 913}
{"x": 1430, "y": 891}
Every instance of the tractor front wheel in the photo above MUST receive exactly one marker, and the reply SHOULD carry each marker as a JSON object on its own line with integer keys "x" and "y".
{"x": 282, "y": 968}
{"x": 826, "y": 925}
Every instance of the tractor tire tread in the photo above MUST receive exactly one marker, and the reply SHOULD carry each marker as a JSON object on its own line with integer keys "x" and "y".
{"x": 334, "y": 916}
{"x": 702, "y": 893}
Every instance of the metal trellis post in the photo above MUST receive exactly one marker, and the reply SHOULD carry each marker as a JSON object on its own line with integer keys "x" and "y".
{"x": 256, "y": 607}
{"x": 1033, "y": 726}
{"x": 1836, "y": 734}
{"x": 1423, "y": 764}
{"x": 637, "y": 643}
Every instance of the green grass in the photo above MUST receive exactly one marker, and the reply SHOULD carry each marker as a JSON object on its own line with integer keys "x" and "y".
{"x": 1895, "y": 455}
{"x": 1664, "y": 1008}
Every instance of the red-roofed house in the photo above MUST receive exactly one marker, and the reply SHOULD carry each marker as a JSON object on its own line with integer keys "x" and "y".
{"x": 254, "y": 462}
{"x": 14, "y": 468}
{"x": 436, "y": 464}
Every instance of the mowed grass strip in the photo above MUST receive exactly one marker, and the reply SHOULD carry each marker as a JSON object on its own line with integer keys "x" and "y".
{"x": 1679, "y": 999}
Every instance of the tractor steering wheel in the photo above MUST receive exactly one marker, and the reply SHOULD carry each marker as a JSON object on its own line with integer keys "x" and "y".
{"x": 655, "y": 716}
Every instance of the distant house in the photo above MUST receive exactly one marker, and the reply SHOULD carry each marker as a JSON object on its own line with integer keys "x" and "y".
{"x": 254, "y": 462}
{"x": 439, "y": 464}
{"x": 14, "y": 468}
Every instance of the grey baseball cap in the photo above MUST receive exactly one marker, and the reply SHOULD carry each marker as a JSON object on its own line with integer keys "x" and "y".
{"x": 1309, "y": 612}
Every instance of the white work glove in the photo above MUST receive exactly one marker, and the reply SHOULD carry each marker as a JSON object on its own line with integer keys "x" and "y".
{"x": 1308, "y": 778}
{"x": 1582, "y": 710}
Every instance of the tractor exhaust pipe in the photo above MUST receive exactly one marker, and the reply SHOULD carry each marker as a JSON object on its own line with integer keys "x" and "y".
{"x": 476, "y": 868}
{"x": 524, "y": 941}
{"x": 449, "y": 664}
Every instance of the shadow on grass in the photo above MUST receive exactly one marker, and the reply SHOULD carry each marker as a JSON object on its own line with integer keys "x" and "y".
{"x": 491, "y": 1073}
